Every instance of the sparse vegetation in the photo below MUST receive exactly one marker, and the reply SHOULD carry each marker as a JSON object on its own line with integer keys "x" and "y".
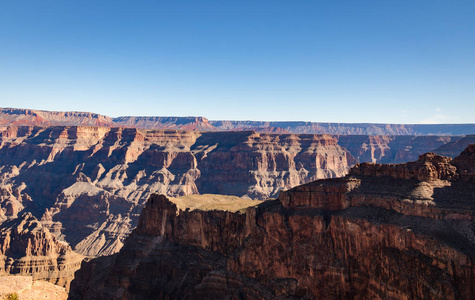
{"x": 214, "y": 202}
{"x": 12, "y": 296}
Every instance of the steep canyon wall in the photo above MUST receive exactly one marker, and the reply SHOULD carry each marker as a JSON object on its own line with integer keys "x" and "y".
{"x": 382, "y": 232}
{"x": 88, "y": 185}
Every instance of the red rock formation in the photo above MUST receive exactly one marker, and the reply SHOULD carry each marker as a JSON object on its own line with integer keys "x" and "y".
{"x": 364, "y": 236}
{"x": 379, "y": 143}
{"x": 88, "y": 184}
{"x": 22, "y": 117}
{"x": 28, "y": 248}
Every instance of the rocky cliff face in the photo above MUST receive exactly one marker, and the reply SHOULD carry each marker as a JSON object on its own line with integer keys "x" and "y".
{"x": 384, "y": 231}
{"x": 28, "y": 248}
{"x": 88, "y": 184}
{"x": 455, "y": 147}
{"x": 388, "y": 149}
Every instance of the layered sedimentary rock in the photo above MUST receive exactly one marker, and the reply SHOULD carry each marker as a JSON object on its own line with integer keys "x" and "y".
{"x": 384, "y": 231}
{"x": 28, "y": 248}
{"x": 182, "y": 123}
{"x": 349, "y": 128}
{"x": 16, "y": 116}
{"x": 200, "y": 123}
{"x": 88, "y": 184}
{"x": 31, "y": 117}
{"x": 393, "y": 148}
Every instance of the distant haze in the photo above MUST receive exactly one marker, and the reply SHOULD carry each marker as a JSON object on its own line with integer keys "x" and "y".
{"x": 399, "y": 62}
{"x": 29, "y": 117}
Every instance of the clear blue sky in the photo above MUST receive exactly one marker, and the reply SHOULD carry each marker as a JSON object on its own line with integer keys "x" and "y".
{"x": 331, "y": 61}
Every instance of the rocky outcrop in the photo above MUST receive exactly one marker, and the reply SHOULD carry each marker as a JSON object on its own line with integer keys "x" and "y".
{"x": 28, "y": 248}
{"x": 384, "y": 231}
{"x": 89, "y": 184}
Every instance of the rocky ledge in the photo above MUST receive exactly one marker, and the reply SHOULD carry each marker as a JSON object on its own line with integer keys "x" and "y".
{"x": 394, "y": 232}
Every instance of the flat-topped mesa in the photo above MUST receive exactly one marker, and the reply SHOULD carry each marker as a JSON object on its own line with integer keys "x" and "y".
{"x": 213, "y": 229}
{"x": 184, "y": 123}
{"x": 18, "y": 116}
{"x": 434, "y": 186}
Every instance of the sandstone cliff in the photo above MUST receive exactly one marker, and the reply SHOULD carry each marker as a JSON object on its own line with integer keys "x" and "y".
{"x": 89, "y": 184}
{"x": 28, "y": 248}
{"x": 383, "y": 232}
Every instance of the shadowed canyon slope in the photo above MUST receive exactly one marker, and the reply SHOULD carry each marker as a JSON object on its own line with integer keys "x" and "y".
{"x": 88, "y": 185}
{"x": 17, "y": 116}
{"x": 401, "y": 231}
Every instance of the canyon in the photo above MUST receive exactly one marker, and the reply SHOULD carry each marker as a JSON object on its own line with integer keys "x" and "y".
{"x": 398, "y": 231}
{"x": 87, "y": 185}
{"x": 73, "y": 185}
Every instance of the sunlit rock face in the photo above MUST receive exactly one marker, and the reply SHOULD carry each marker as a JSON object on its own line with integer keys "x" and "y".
{"x": 88, "y": 184}
{"x": 401, "y": 231}
{"x": 32, "y": 117}
{"x": 28, "y": 248}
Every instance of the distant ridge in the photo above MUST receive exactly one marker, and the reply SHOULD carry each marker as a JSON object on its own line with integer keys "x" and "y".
{"x": 350, "y": 128}
{"x": 20, "y": 116}
{"x": 186, "y": 123}
{"x": 17, "y": 116}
